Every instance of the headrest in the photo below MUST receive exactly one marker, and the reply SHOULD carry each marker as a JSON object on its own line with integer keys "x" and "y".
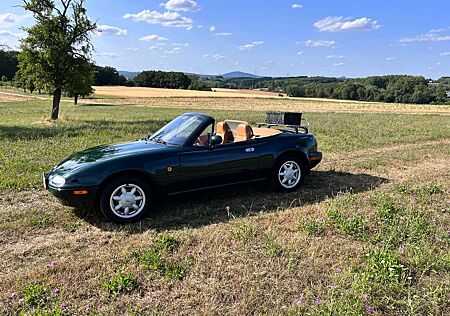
{"x": 245, "y": 131}
{"x": 222, "y": 127}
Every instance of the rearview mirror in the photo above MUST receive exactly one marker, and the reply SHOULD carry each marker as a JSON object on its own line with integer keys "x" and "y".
{"x": 216, "y": 140}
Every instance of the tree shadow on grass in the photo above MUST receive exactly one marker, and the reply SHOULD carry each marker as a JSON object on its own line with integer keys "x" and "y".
{"x": 208, "y": 207}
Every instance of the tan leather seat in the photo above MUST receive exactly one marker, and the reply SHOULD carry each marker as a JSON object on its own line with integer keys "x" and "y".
{"x": 224, "y": 130}
{"x": 244, "y": 132}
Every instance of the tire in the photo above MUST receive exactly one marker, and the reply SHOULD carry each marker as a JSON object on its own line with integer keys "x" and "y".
{"x": 297, "y": 172}
{"x": 126, "y": 199}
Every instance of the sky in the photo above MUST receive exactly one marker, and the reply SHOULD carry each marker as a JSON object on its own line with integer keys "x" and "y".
{"x": 349, "y": 38}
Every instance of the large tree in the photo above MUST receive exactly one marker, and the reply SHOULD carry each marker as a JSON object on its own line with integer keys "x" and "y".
{"x": 58, "y": 47}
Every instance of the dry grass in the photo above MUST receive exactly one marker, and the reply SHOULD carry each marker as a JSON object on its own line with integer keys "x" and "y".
{"x": 256, "y": 259}
{"x": 250, "y": 100}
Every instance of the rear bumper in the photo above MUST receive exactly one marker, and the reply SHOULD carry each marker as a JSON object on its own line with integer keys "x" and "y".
{"x": 315, "y": 158}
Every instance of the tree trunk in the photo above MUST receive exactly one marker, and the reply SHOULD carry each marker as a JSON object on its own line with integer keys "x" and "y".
{"x": 56, "y": 101}
{"x": 75, "y": 100}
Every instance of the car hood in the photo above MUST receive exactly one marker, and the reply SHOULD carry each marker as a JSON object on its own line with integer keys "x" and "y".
{"x": 104, "y": 152}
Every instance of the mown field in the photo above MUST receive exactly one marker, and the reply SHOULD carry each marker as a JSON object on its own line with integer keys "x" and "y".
{"x": 368, "y": 233}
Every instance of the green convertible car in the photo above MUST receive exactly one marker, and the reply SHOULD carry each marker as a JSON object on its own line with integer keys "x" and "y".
{"x": 191, "y": 152}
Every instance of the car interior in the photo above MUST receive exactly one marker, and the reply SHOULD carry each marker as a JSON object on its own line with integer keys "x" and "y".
{"x": 233, "y": 131}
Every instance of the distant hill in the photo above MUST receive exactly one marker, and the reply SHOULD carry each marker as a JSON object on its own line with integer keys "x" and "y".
{"x": 128, "y": 74}
{"x": 239, "y": 74}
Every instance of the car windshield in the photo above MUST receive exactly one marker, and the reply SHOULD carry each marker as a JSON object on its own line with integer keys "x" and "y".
{"x": 177, "y": 131}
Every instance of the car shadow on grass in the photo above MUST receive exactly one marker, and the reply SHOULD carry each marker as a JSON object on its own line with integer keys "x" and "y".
{"x": 208, "y": 207}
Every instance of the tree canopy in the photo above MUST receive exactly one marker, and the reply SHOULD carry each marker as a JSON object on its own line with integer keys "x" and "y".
{"x": 57, "y": 48}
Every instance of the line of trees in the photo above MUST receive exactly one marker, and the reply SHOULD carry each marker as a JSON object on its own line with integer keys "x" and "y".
{"x": 394, "y": 88}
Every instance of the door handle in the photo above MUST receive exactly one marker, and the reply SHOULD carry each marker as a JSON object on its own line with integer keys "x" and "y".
{"x": 249, "y": 150}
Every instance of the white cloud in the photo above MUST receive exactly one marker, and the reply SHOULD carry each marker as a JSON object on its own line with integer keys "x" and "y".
{"x": 431, "y": 36}
{"x": 335, "y": 57}
{"x": 173, "y": 51}
{"x": 340, "y": 24}
{"x": 224, "y": 34}
{"x": 319, "y": 43}
{"x": 168, "y": 19}
{"x": 153, "y": 38}
{"x": 389, "y": 58}
{"x": 181, "y": 5}
{"x": 205, "y": 56}
{"x": 107, "y": 30}
{"x": 300, "y": 53}
{"x": 297, "y": 6}
{"x": 181, "y": 44}
{"x": 218, "y": 57}
{"x": 250, "y": 46}
{"x": 4, "y": 33}
{"x": 132, "y": 49}
{"x": 338, "y": 64}
{"x": 155, "y": 47}
{"x": 212, "y": 28}
{"x": 444, "y": 54}
{"x": 108, "y": 55}
{"x": 11, "y": 19}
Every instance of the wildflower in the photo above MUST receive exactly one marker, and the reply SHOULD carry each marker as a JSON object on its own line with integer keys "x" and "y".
{"x": 227, "y": 208}
{"x": 87, "y": 310}
{"x": 338, "y": 270}
{"x": 365, "y": 296}
{"x": 299, "y": 301}
{"x": 189, "y": 254}
{"x": 63, "y": 305}
{"x": 53, "y": 262}
{"x": 150, "y": 244}
{"x": 401, "y": 249}
{"x": 371, "y": 213}
{"x": 21, "y": 300}
{"x": 55, "y": 290}
{"x": 448, "y": 231}
{"x": 14, "y": 295}
{"x": 332, "y": 286}
{"x": 414, "y": 195}
{"x": 369, "y": 309}
{"x": 317, "y": 301}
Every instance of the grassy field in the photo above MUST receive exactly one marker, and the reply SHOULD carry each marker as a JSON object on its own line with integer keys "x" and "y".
{"x": 368, "y": 233}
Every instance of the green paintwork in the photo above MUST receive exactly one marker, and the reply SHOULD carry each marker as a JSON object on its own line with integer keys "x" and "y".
{"x": 191, "y": 167}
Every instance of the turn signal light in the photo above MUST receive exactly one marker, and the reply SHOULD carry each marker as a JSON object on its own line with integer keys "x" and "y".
{"x": 80, "y": 192}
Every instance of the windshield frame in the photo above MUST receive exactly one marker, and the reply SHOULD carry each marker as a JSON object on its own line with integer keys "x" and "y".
{"x": 205, "y": 121}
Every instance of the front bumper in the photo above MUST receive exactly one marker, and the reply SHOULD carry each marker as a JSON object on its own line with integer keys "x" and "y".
{"x": 314, "y": 158}
{"x": 71, "y": 196}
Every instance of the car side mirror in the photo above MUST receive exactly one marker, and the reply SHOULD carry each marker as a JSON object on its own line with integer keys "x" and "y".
{"x": 216, "y": 140}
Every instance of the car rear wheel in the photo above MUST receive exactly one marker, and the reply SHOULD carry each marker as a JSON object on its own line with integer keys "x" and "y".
{"x": 288, "y": 174}
{"x": 126, "y": 200}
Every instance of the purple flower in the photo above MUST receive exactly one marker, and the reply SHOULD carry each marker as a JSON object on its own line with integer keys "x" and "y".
{"x": 448, "y": 231}
{"x": 401, "y": 249}
{"x": 21, "y": 300}
{"x": 317, "y": 301}
{"x": 227, "y": 208}
{"x": 55, "y": 290}
{"x": 189, "y": 254}
{"x": 299, "y": 301}
{"x": 63, "y": 305}
{"x": 87, "y": 310}
{"x": 13, "y": 295}
{"x": 338, "y": 270}
{"x": 53, "y": 262}
{"x": 49, "y": 265}
{"x": 414, "y": 195}
{"x": 369, "y": 309}
{"x": 365, "y": 296}
{"x": 332, "y": 286}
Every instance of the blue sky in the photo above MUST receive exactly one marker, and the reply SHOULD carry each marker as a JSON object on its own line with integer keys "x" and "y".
{"x": 349, "y": 38}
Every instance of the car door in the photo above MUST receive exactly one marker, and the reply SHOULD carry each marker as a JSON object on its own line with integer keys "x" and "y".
{"x": 202, "y": 167}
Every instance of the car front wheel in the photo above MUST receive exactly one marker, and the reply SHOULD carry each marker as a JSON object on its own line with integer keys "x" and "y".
{"x": 288, "y": 174}
{"x": 126, "y": 200}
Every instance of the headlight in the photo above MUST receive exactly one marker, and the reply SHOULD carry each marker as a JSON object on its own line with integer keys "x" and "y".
{"x": 57, "y": 181}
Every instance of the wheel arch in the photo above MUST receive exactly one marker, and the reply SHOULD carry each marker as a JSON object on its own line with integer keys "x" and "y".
{"x": 133, "y": 172}
{"x": 297, "y": 153}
